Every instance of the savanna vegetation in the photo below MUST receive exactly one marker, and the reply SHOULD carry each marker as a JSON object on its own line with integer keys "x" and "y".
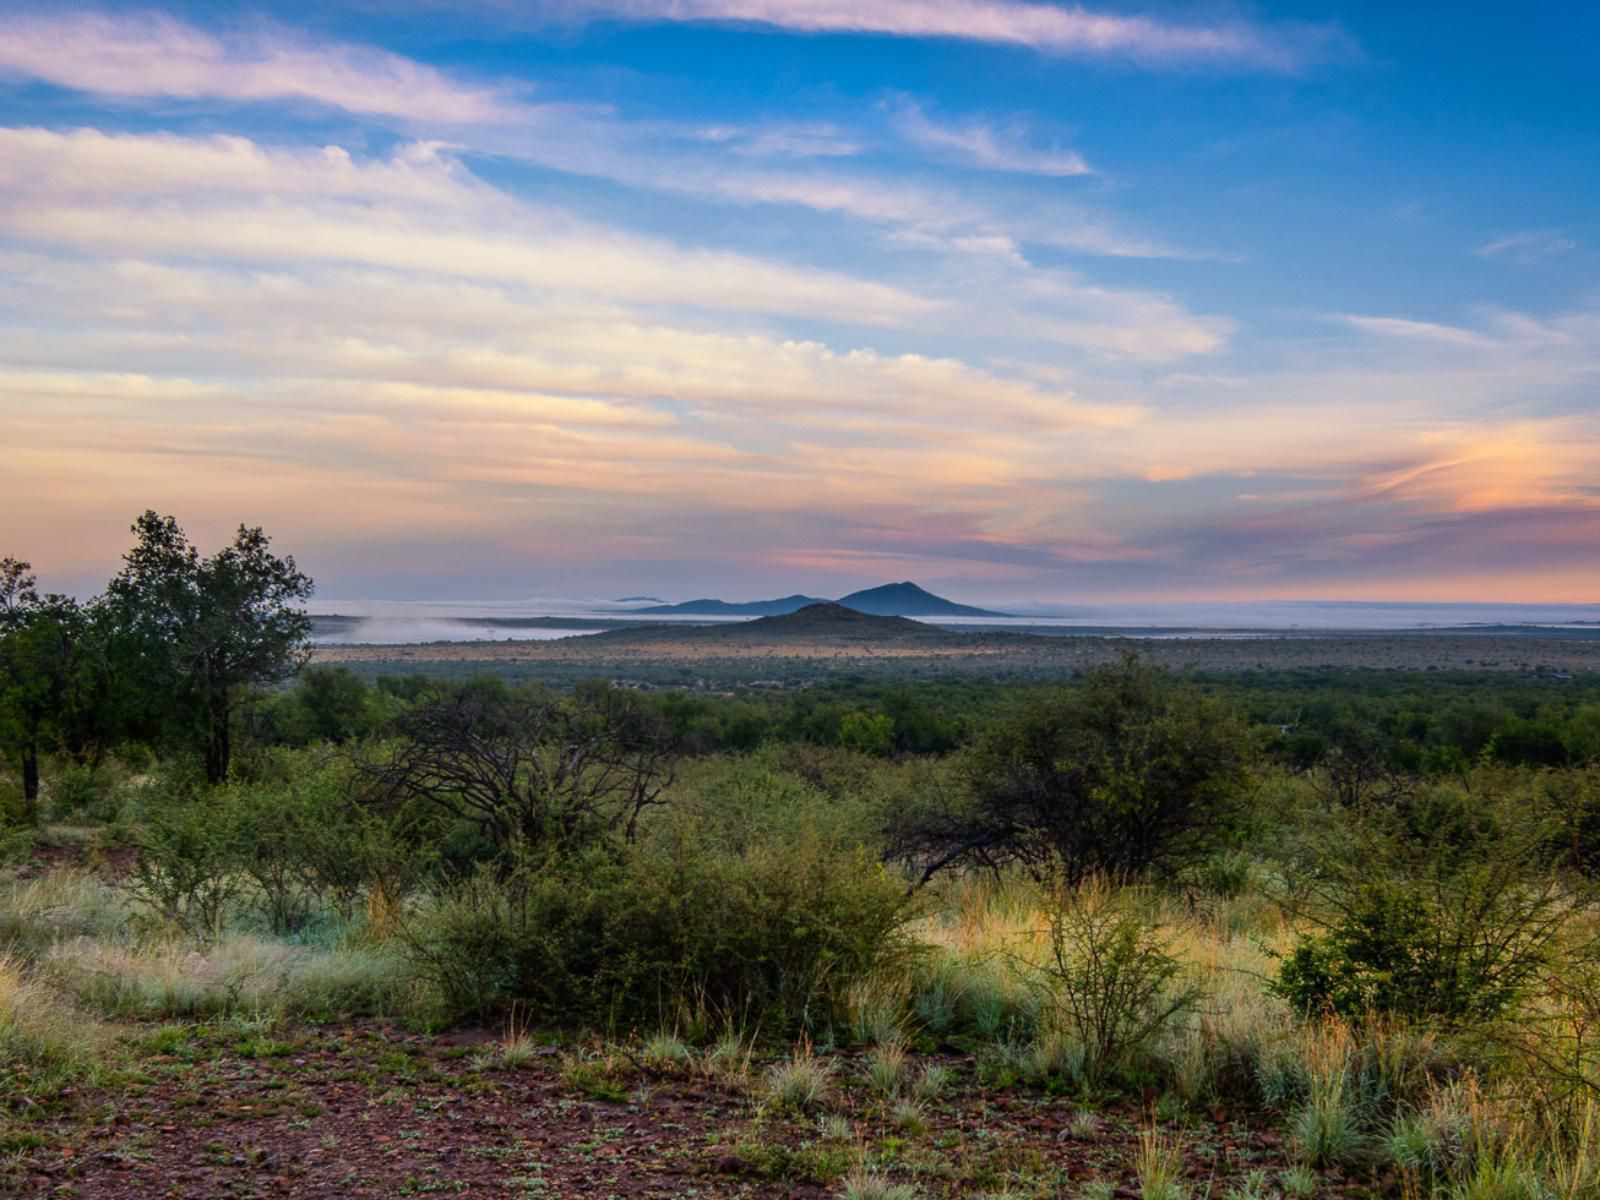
{"x": 1129, "y": 933}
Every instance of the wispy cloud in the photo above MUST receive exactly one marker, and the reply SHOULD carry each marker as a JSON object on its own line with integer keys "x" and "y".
{"x": 784, "y": 140}
{"x": 153, "y": 57}
{"x": 993, "y": 147}
{"x": 1419, "y": 331}
{"x": 233, "y": 200}
{"x": 1528, "y": 248}
{"x": 1049, "y": 28}
{"x": 150, "y": 54}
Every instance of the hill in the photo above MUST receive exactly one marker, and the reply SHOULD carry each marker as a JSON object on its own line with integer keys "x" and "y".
{"x": 890, "y": 600}
{"x": 816, "y": 624}
{"x": 725, "y": 608}
{"x": 838, "y": 620}
{"x": 908, "y": 600}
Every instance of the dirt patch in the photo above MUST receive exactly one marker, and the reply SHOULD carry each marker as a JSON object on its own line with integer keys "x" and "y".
{"x": 374, "y": 1111}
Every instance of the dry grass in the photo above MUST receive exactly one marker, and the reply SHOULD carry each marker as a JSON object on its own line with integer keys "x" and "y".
{"x": 36, "y": 913}
{"x": 38, "y": 1031}
{"x": 239, "y": 973}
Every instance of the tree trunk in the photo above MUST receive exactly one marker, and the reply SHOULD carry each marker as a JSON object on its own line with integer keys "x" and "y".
{"x": 30, "y": 780}
{"x": 218, "y": 745}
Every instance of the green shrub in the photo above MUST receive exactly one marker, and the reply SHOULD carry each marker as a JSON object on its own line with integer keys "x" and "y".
{"x": 16, "y": 829}
{"x": 1110, "y": 978}
{"x": 1133, "y": 772}
{"x": 1460, "y": 953}
{"x": 770, "y": 936}
{"x": 78, "y": 792}
{"x": 1445, "y": 907}
{"x": 187, "y": 870}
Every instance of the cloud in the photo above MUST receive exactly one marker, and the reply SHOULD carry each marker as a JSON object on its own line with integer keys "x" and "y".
{"x": 419, "y": 210}
{"x": 149, "y": 55}
{"x": 1424, "y": 331}
{"x": 783, "y": 140}
{"x": 233, "y": 200}
{"x": 1048, "y": 28}
{"x": 987, "y": 146}
{"x": 1528, "y": 248}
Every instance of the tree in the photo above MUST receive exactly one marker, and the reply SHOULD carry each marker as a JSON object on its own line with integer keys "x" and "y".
{"x": 52, "y": 673}
{"x": 200, "y": 631}
{"x": 1133, "y": 772}
{"x": 530, "y": 772}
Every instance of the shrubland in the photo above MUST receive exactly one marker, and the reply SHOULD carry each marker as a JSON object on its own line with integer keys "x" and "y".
{"x": 1360, "y": 911}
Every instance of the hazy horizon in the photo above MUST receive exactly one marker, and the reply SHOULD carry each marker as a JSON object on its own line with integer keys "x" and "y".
{"x": 1025, "y": 301}
{"x": 399, "y": 621}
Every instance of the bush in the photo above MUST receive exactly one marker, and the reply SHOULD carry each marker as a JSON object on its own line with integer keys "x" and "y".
{"x": 16, "y": 828}
{"x": 1111, "y": 980}
{"x": 772, "y": 935}
{"x": 1132, "y": 772}
{"x": 1445, "y": 911}
{"x": 187, "y": 870}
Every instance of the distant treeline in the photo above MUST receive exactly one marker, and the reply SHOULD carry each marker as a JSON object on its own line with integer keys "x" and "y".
{"x": 1420, "y": 722}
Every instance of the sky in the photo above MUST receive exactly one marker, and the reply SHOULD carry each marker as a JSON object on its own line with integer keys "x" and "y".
{"x": 1020, "y": 300}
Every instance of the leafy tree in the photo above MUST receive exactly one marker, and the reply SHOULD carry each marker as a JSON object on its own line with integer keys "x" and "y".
{"x": 52, "y": 674}
{"x": 871, "y": 733}
{"x": 200, "y": 631}
{"x": 1135, "y": 771}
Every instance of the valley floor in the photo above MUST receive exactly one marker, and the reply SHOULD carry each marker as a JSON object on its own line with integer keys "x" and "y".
{"x": 979, "y": 653}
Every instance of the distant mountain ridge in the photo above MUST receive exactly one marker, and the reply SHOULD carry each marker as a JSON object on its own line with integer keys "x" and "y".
{"x": 908, "y": 600}
{"x": 890, "y": 600}
{"x": 724, "y": 608}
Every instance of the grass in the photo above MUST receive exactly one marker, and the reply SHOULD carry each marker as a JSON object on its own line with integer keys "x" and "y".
{"x": 886, "y": 1069}
{"x": 38, "y": 1032}
{"x": 37, "y": 912}
{"x": 239, "y": 973}
{"x": 800, "y": 1084}
{"x": 665, "y": 1052}
{"x": 1326, "y": 1128}
{"x": 869, "y": 1185}
{"x": 1379, "y": 1096}
{"x": 1158, "y": 1164}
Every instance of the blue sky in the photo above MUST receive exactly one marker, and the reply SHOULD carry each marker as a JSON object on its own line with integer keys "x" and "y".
{"x": 1025, "y": 301}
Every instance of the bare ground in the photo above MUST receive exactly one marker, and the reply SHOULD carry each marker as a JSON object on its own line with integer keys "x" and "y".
{"x": 371, "y": 1110}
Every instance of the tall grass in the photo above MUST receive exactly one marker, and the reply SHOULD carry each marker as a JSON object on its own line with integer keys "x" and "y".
{"x": 37, "y": 912}
{"x": 38, "y": 1033}
{"x": 239, "y": 973}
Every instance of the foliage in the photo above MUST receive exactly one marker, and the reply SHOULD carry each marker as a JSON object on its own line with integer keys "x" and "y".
{"x": 54, "y": 678}
{"x": 1111, "y": 979}
{"x": 187, "y": 870}
{"x": 1443, "y": 908}
{"x": 1132, "y": 772}
{"x": 772, "y": 935}
{"x": 280, "y": 845}
{"x": 199, "y": 630}
{"x": 531, "y": 772}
